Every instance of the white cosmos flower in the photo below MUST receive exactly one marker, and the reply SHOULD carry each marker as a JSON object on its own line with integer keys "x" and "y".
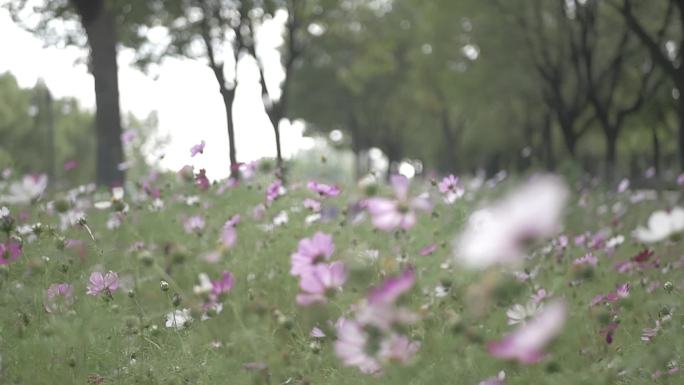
{"x": 499, "y": 234}
{"x": 520, "y": 314}
{"x": 29, "y": 189}
{"x": 661, "y": 225}
{"x": 178, "y": 319}
{"x": 204, "y": 286}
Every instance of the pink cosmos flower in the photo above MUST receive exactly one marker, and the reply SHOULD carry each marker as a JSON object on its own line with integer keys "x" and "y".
{"x": 587, "y": 260}
{"x": 526, "y": 344}
{"x": 70, "y": 165}
{"x": 10, "y": 250}
{"x": 312, "y": 205}
{"x": 427, "y": 250}
{"x": 391, "y": 214}
{"x": 311, "y": 251}
{"x": 392, "y": 288}
{"x": 398, "y": 348}
{"x": 223, "y": 285}
{"x": 500, "y": 234}
{"x": 201, "y": 180}
{"x": 323, "y": 190}
{"x": 539, "y": 296}
{"x": 229, "y": 234}
{"x": 351, "y": 347}
{"x": 98, "y": 283}
{"x": 59, "y": 297}
{"x": 248, "y": 169}
{"x": 194, "y": 224}
{"x": 647, "y": 334}
{"x": 318, "y": 282}
{"x": 275, "y": 190}
{"x": 197, "y": 149}
{"x": 680, "y": 179}
{"x": 128, "y": 136}
{"x": 450, "y": 188}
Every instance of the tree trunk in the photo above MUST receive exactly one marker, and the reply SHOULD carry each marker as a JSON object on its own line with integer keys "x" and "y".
{"x": 547, "y": 144}
{"x": 611, "y": 155}
{"x": 275, "y": 118}
{"x": 98, "y": 21}
{"x": 228, "y": 98}
{"x": 680, "y": 137}
{"x": 656, "y": 150}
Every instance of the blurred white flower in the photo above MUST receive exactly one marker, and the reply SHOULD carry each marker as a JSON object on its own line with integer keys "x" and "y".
{"x": 661, "y": 225}
{"x": 520, "y": 314}
{"x": 28, "y": 190}
{"x": 501, "y": 233}
{"x": 178, "y": 319}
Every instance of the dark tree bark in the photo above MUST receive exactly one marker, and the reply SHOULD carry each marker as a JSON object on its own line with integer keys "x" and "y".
{"x": 98, "y": 21}
{"x": 547, "y": 143}
{"x": 653, "y": 43}
{"x": 226, "y": 90}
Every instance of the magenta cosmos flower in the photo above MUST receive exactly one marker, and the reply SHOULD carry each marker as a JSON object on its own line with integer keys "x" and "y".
{"x": 391, "y": 214}
{"x": 320, "y": 281}
{"x": 526, "y": 344}
{"x": 197, "y": 149}
{"x": 324, "y": 190}
{"x": 311, "y": 251}
{"x": 223, "y": 285}
{"x": 9, "y": 251}
{"x": 275, "y": 190}
{"x": 99, "y": 283}
{"x": 59, "y": 297}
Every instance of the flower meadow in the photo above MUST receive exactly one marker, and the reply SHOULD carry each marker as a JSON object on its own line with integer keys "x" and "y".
{"x": 173, "y": 279}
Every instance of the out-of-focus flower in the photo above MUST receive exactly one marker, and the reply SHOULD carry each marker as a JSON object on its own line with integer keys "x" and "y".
{"x": 371, "y": 339}
{"x": 323, "y": 190}
{"x": 28, "y": 190}
{"x": 500, "y": 379}
{"x": 102, "y": 283}
{"x": 229, "y": 233}
{"x": 275, "y": 190}
{"x": 318, "y": 282}
{"x": 311, "y": 251}
{"x": 59, "y": 297}
{"x": 500, "y": 234}
{"x": 450, "y": 188}
{"x": 427, "y": 250}
{"x": 224, "y": 284}
{"x": 647, "y": 334}
{"x": 661, "y": 225}
{"x": 178, "y": 319}
{"x": 70, "y": 165}
{"x": 10, "y": 251}
{"x": 522, "y": 313}
{"x": 587, "y": 260}
{"x": 392, "y": 288}
{"x": 623, "y": 186}
{"x": 680, "y": 179}
{"x": 312, "y": 205}
{"x": 197, "y": 149}
{"x": 201, "y": 180}
{"x": 526, "y": 344}
{"x": 391, "y": 214}
{"x": 194, "y": 224}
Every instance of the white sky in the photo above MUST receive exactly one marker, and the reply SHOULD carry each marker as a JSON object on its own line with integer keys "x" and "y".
{"x": 185, "y": 96}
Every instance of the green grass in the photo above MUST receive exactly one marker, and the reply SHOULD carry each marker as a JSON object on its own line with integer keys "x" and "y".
{"x": 124, "y": 340}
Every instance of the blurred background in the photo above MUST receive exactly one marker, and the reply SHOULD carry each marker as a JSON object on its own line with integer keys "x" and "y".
{"x": 104, "y": 90}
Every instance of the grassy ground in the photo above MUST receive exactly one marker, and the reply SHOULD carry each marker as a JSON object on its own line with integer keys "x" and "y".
{"x": 262, "y": 337}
